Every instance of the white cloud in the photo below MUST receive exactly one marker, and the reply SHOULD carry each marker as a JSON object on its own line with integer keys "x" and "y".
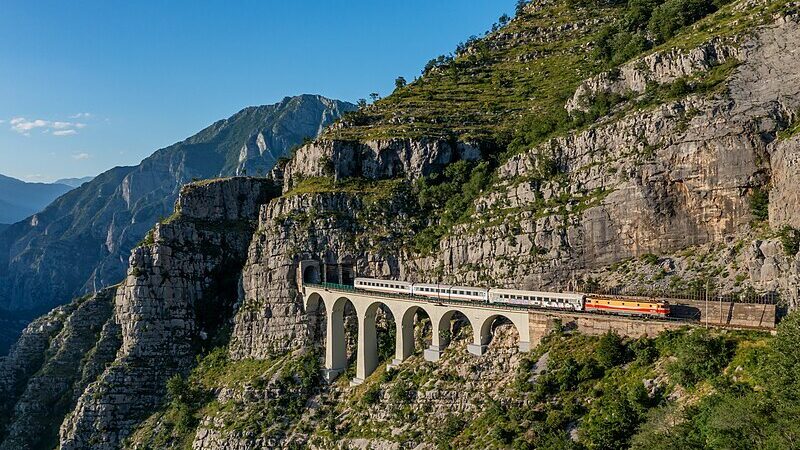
{"x": 83, "y": 115}
{"x": 80, "y": 156}
{"x": 24, "y": 126}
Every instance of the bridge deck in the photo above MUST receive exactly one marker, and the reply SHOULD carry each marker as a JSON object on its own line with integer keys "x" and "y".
{"x": 486, "y": 305}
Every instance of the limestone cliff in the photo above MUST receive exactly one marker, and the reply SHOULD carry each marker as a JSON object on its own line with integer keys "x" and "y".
{"x": 81, "y": 242}
{"x": 671, "y": 169}
{"x": 176, "y": 300}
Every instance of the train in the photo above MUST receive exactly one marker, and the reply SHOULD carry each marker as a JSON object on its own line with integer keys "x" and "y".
{"x": 594, "y": 303}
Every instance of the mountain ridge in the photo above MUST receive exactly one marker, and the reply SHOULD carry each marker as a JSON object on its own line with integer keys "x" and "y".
{"x": 74, "y": 182}
{"x": 20, "y": 199}
{"x": 81, "y": 241}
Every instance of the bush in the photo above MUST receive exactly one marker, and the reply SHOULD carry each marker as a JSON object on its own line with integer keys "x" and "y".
{"x": 790, "y": 240}
{"x": 668, "y": 18}
{"x": 609, "y": 424}
{"x": 759, "y": 204}
{"x": 446, "y": 199}
{"x": 371, "y": 395}
{"x": 611, "y": 350}
{"x": 643, "y": 350}
{"x": 699, "y": 356}
{"x": 650, "y": 258}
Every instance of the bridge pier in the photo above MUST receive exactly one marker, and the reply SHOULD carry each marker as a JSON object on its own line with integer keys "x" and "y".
{"x": 335, "y": 350}
{"x": 404, "y": 336}
{"x": 367, "y": 354}
{"x": 480, "y": 316}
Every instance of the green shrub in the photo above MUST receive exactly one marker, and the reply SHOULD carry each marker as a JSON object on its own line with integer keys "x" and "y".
{"x": 609, "y": 424}
{"x": 668, "y": 18}
{"x": 450, "y": 428}
{"x": 650, "y": 258}
{"x": 371, "y": 395}
{"x": 611, "y": 350}
{"x": 759, "y": 204}
{"x": 700, "y": 355}
{"x": 790, "y": 240}
{"x": 643, "y": 350}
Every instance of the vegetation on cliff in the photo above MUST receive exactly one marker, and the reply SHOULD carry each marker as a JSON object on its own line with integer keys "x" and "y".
{"x": 508, "y": 90}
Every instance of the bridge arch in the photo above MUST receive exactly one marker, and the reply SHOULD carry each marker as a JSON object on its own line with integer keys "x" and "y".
{"x": 316, "y": 318}
{"x": 483, "y": 334}
{"x": 442, "y": 331}
{"x": 367, "y": 359}
{"x": 336, "y": 343}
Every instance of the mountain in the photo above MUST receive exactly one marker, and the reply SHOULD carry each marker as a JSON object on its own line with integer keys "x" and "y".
{"x": 19, "y": 199}
{"x": 643, "y": 147}
{"x": 81, "y": 242}
{"x": 74, "y": 182}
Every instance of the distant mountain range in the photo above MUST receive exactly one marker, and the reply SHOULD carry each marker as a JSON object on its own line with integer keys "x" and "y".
{"x": 20, "y": 199}
{"x": 82, "y": 241}
{"x": 74, "y": 182}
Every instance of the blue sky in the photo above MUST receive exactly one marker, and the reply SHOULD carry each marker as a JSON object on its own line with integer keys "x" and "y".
{"x": 88, "y": 85}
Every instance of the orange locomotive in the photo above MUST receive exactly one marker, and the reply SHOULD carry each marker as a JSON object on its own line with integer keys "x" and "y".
{"x": 629, "y": 306}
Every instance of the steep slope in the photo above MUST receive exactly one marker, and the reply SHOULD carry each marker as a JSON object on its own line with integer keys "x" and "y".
{"x": 19, "y": 199}
{"x": 74, "y": 182}
{"x": 81, "y": 242}
{"x": 549, "y": 153}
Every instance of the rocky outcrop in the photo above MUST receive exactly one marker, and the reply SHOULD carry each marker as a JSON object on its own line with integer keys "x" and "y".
{"x": 335, "y": 229}
{"x": 81, "y": 242}
{"x": 73, "y": 359}
{"x": 654, "y": 181}
{"x": 178, "y": 296}
{"x": 784, "y": 194}
{"x": 655, "y": 193}
{"x": 28, "y": 355}
{"x": 376, "y": 159}
{"x": 657, "y": 68}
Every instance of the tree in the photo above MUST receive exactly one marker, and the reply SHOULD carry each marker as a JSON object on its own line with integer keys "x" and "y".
{"x": 504, "y": 19}
{"x": 399, "y": 82}
{"x": 521, "y": 6}
{"x": 362, "y": 103}
{"x": 374, "y": 96}
{"x": 610, "y": 350}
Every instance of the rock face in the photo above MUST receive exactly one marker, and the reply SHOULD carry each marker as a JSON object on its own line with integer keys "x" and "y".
{"x": 656, "y": 192}
{"x": 81, "y": 242}
{"x": 376, "y": 159}
{"x": 179, "y": 293}
{"x": 85, "y": 342}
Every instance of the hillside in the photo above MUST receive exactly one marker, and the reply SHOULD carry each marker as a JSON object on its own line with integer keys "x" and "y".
{"x": 19, "y": 199}
{"x": 645, "y": 146}
{"x": 74, "y": 182}
{"x": 81, "y": 242}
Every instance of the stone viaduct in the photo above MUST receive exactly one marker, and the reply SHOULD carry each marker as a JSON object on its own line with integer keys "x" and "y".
{"x": 531, "y": 324}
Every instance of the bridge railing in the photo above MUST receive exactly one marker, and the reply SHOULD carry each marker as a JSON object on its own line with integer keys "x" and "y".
{"x": 766, "y": 298}
{"x": 444, "y": 301}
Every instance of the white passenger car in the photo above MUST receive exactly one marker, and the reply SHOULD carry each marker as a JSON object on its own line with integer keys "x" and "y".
{"x": 388, "y": 286}
{"x": 539, "y": 299}
{"x": 450, "y": 292}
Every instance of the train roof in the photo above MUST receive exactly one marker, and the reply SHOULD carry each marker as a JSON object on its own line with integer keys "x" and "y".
{"x": 538, "y": 293}
{"x": 381, "y": 280}
{"x": 451, "y": 286}
{"x": 472, "y": 288}
{"x": 434, "y": 285}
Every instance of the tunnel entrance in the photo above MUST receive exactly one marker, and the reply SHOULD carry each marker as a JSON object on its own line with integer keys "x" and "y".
{"x": 311, "y": 275}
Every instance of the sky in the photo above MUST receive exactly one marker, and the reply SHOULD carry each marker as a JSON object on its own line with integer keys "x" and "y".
{"x": 92, "y": 84}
